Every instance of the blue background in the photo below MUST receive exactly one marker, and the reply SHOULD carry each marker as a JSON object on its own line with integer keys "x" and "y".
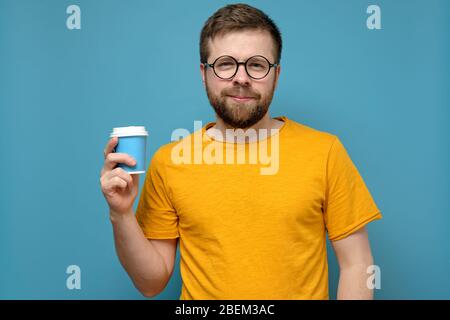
{"x": 385, "y": 93}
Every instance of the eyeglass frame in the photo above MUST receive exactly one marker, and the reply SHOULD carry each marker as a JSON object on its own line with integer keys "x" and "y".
{"x": 211, "y": 65}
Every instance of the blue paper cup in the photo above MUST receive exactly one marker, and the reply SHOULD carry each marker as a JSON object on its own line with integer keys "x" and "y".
{"x": 132, "y": 141}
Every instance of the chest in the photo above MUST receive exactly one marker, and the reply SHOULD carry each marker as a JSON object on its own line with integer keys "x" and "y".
{"x": 237, "y": 201}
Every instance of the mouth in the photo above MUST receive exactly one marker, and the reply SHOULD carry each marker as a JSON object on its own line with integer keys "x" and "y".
{"x": 241, "y": 98}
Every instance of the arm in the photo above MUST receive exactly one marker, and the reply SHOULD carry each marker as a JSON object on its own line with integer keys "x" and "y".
{"x": 148, "y": 262}
{"x": 354, "y": 256}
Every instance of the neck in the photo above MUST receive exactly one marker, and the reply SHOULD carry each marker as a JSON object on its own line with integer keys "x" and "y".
{"x": 265, "y": 123}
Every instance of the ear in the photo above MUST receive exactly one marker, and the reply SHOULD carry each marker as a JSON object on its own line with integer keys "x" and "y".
{"x": 277, "y": 75}
{"x": 203, "y": 73}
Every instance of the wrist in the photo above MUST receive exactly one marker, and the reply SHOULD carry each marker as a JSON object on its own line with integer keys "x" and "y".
{"x": 116, "y": 217}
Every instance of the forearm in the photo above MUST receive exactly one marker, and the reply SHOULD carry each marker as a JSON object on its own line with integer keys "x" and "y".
{"x": 353, "y": 283}
{"x": 138, "y": 256}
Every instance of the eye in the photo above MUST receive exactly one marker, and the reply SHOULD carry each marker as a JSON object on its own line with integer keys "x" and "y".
{"x": 256, "y": 65}
{"x": 225, "y": 64}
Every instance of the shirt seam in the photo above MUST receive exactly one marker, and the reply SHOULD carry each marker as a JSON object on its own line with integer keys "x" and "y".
{"x": 355, "y": 226}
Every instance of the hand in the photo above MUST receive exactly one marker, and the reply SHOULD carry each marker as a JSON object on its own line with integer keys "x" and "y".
{"x": 118, "y": 186}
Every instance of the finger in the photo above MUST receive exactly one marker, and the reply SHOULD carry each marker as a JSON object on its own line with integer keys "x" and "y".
{"x": 112, "y": 159}
{"x": 110, "y": 146}
{"x": 119, "y": 172}
{"x": 135, "y": 178}
{"x": 115, "y": 183}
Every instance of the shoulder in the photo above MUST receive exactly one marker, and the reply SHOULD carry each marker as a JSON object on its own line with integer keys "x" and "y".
{"x": 310, "y": 135}
{"x": 163, "y": 153}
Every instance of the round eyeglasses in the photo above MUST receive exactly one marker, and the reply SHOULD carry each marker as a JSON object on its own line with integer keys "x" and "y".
{"x": 226, "y": 67}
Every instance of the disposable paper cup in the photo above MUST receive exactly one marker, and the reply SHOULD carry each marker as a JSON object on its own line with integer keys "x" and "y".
{"x": 132, "y": 141}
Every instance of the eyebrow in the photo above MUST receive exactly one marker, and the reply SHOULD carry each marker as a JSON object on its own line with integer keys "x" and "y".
{"x": 242, "y": 60}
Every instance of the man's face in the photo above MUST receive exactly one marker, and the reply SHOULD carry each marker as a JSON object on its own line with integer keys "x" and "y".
{"x": 224, "y": 95}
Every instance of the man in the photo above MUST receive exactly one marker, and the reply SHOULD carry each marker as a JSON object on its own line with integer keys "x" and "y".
{"x": 243, "y": 234}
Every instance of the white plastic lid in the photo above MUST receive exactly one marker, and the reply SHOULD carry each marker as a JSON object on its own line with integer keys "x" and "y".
{"x": 129, "y": 131}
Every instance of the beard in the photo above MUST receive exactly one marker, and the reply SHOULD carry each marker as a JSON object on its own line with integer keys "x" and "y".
{"x": 240, "y": 114}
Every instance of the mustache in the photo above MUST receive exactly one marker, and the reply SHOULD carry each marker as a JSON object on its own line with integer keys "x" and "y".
{"x": 241, "y": 93}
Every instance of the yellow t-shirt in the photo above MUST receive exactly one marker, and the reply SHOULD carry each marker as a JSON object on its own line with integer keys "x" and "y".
{"x": 247, "y": 235}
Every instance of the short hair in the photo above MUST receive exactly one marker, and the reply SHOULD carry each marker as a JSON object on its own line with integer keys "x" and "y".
{"x": 235, "y": 17}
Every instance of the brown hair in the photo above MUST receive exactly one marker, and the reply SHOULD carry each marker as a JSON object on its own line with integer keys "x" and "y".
{"x": 236, "y": 17}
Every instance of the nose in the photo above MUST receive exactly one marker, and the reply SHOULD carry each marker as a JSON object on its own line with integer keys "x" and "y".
{"x": 241, "y": 77}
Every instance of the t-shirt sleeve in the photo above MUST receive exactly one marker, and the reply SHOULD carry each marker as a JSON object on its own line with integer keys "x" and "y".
{"x": 348, "y": 203}
{"x": 155, "y": 213}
